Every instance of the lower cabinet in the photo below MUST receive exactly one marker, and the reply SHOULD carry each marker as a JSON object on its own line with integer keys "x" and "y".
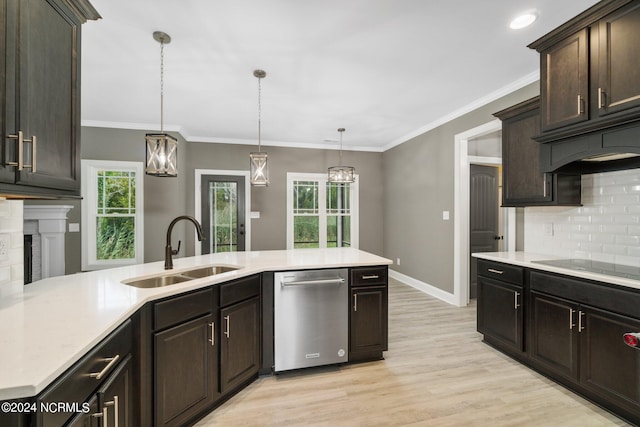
{"x": 368, "y": 318}
{"x": 573, "y": 333}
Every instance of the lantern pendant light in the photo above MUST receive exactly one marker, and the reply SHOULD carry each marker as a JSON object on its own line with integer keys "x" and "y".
{"x": 259, "y": 168}
{"x": 161, "y": 148}
{"x": 342, "y": 174}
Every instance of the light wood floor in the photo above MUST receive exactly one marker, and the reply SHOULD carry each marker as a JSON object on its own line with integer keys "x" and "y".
{"x": 437, "y": 372}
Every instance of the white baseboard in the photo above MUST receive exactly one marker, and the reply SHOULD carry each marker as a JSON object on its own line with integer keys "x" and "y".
{"x": 424, "y": 287}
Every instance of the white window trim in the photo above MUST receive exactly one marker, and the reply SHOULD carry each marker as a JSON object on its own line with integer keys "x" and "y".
{"x": 322, "y": 188}
{"x": 89, "y": 181}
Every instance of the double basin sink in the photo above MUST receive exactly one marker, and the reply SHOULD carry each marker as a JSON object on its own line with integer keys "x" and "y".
{"x": 180, "y": 277}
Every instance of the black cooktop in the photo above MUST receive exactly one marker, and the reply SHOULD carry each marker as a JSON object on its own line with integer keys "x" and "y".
{"x": 618, "y": 270}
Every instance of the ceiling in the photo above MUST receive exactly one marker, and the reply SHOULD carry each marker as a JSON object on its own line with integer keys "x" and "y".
{"x": 386, "y": 70}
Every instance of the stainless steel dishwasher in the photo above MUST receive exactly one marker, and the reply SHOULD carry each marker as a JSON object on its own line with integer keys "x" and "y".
{"x": 311, "y": 318}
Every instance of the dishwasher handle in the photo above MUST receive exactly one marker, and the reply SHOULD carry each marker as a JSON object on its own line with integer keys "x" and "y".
{"x": 336, "y": 281}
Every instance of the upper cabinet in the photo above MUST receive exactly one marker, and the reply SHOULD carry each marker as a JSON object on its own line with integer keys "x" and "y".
{"x": 40, "y": 118}
{"x": 589, "y": 71}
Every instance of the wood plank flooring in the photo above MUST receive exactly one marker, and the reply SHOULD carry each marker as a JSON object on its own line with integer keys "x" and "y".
{"x": 437, "y": 372}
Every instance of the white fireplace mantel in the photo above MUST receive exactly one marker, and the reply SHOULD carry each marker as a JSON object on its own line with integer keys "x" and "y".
{"x": 49, "y": 223}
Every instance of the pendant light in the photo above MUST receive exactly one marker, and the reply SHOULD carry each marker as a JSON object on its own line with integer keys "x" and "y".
{"x": 162, "y": 148}
{"x": 342, "y": 174}
{"x": 259, "y": 168}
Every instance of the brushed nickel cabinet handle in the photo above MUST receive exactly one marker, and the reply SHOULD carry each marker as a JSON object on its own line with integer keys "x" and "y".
{"x": 113, "y": 403}
{"x": 571, "y": 324}
{"x": 371, "y": 276}
{"x": 580, "y": 325}
{"x": 355, "y": 302}
{"x": 601, "y": 97}
{"x": 33, "y": 142}
{"x": 20, "y": 137}
{"x": 227, "y": 333}
{"x": 112, "y": 361}
{"x": 580, "y": 106}
{"x": 212, "y": 325}
{"x": 515, "y": 300}
{"x": 491, "y": 270}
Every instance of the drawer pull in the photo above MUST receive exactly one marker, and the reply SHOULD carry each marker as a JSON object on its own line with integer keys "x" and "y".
{"x": 370, "y": 276}
{"x": 571, "y": 324}
{"x": 112, "y": 361}
{"x": 491, "y": 270}
{"x": 212, "y": 325}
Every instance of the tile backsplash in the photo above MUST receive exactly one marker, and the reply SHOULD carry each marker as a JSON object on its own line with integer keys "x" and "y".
{"x": 11, "y": 247}
{"x": 606, "y": 228}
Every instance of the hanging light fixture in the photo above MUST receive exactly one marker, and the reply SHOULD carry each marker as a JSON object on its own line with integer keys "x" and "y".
{"x": 259, "y": 168}
{"x": 342, "y": 174}
{"x": 162, "y": 148}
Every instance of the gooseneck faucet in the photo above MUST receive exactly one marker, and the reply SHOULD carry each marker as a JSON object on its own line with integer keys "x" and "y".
{"x": 168, "y": 251}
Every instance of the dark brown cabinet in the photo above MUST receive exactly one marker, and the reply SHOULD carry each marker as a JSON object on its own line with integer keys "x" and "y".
{"x": 41, "y": 88}
{"x": 500, "y": 305}
{"x": 368, "y": 317}
{"x": 554, "y": 334}
{"x": 185, "y": 357}
{"x": 523, "y": 182}
{"x": 588, "y": 71}
{"x": 240, "y": 351}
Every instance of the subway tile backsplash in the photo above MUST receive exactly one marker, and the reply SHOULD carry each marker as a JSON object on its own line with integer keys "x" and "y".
{"x": 11, "y": 262}
{"x": 606, "y": 228}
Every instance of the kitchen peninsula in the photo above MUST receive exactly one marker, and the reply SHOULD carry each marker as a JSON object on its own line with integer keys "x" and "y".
{"x": 51, "y": 327}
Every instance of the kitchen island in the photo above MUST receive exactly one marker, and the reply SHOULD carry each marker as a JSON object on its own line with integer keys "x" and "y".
{"x": 572, "y": 320}
{"x": 55, "y": 322}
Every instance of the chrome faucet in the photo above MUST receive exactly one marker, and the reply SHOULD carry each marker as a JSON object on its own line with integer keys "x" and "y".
{"x": 168, "y": 251}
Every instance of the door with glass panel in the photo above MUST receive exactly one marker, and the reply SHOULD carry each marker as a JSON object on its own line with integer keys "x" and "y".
{"x": 320, "y": 214}
{"x": 223, "y": 213}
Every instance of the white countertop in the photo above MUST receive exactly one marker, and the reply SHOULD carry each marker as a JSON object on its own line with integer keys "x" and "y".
{"x": 54, "y": 322}
{"x": 526, "y": 259}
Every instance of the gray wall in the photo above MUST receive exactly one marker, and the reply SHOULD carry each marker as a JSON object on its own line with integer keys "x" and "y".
{"x": 419, "y": 186}
{"x": 166, "y": 198}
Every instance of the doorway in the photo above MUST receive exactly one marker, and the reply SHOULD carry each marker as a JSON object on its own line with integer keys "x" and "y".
{"x": 222, "y": 207}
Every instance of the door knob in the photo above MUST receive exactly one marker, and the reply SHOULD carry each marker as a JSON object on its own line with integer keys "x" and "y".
{"x": 498, "y": 237}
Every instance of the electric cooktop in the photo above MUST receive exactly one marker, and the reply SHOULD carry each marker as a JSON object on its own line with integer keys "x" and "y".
{"x": 618, "y": 270}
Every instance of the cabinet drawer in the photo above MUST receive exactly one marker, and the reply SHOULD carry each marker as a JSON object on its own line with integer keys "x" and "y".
{"x": 366, "y": 276}
{"x": 77, "y": 384}
{"x": 595, "y": 294}
{"x": 499, "y": 271}
{"x": 239, "y": 290}
{"x": 180, "y": 309}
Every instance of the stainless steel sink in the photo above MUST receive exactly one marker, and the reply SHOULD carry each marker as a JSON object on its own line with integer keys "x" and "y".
{"x": 180, "y": 277}
{"x": 197, "y": 273}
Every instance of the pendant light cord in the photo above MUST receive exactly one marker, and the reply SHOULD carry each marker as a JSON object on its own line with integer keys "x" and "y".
{"x": 161, "y": 86}
{"x": 259, "y": 113}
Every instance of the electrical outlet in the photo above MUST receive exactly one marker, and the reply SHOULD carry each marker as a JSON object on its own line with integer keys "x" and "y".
{"x": 398, "y": 261}
{"x": 5, "y": 243}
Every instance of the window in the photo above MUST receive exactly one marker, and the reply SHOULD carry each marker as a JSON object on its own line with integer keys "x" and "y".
{"x": 112, "y": 214}
{"x": 321, "y": 214}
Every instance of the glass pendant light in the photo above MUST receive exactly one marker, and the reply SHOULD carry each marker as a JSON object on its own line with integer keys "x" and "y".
{"x": 259, "y": 168}
{"x": 162, "y": 148}
{"x": 342, "y": 174}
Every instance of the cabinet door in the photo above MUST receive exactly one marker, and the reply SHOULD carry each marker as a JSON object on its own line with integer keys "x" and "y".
{"x": 523, "y": 183}
{"x": 48, "y": 69}
{"x": 554, "y": 334}
{"x": 609, "y": 367}
{"x": 185, "y": 372}
{"x": 619, "y": 60}
{"x": 115, "y": 397}
{"x": 564, "y": 82}
{"x": 368, "y": 326}
{"x": 240, "y": 348}
{"x": 500, "y": 313}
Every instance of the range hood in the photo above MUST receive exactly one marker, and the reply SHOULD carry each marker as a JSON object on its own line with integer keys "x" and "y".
{"x": 608, "y": 150}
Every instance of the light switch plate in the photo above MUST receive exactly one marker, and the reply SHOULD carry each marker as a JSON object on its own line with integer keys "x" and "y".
{"x": 74, "y": 227}
{"x": 445, "y": 215}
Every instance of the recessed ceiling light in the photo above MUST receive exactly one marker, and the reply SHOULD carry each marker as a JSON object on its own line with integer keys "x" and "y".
{"x": 523, "y": 20}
